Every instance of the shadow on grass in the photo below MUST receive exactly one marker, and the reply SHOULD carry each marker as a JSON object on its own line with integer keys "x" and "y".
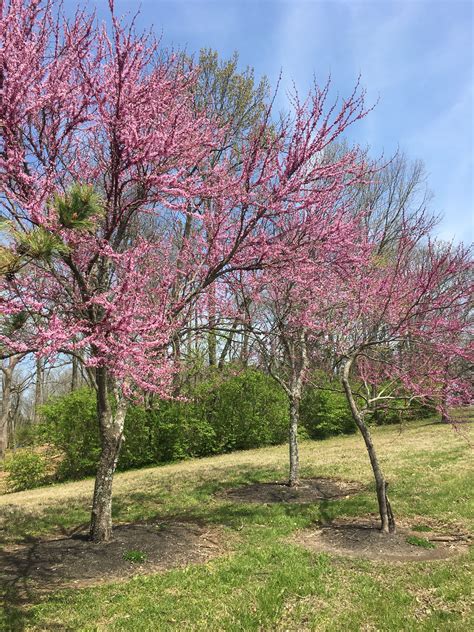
{"x": 205, "y": 507}
{"x": 193, "y": 504}
{"x": 16, "y": 594}
{"x": 185, "y": 500}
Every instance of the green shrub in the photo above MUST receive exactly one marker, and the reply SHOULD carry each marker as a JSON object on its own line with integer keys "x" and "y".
{"x": 26, "y": 470}
{"x": 137, "y": 446}
{"x": 70, "y": 424}
{"x": 25, "y": 435}
{"x": 325, "y": 412}
{"x": 397, "y": 412}
{"x": 246, "y": 410}
{"x": 228, "y": 411}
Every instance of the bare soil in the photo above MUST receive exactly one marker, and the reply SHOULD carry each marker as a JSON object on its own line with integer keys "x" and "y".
{"x": 75, "y": 561}
{"x": 362, "y": 538}
{"x": 309, "y": 490}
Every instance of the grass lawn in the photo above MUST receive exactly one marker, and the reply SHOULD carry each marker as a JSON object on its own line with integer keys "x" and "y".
{"x": 262, "y": 581}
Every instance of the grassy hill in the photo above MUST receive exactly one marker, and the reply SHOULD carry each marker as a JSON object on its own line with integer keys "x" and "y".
{"x": 253, "y": 574}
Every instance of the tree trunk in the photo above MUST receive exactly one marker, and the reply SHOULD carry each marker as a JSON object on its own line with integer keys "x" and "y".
{"x": 38, "y": 389}
{"x": 74, "y": 374}
{"x": 5, "y": 408}
{"x": 177, "y": 377}
{"x": 211, "y": 336}
{"x": 385, "y": 510}
{"x": 297, "y": 357}
{"x": 244, "y": 355}
{"x": 227, "y": 345}
{"x": 111, "y": 434}
{"x": 444, "y": 397}
{"x": 293, "y": 441}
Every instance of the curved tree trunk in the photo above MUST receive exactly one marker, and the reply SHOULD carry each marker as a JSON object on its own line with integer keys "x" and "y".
{"x": 111, "y": 425}
{"x": 293, "y": 441}
{"x": 385, "y": 510}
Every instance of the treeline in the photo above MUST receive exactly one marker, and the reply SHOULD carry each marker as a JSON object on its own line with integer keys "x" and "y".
{"x": 233, "y": 409}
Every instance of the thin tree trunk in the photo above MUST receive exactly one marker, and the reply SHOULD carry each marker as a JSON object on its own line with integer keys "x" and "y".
{"x": 211, "y": 336}
{"x": 5, "y": 409}
{"x": 227, "y": 345}
{"x": 38, "y": 389}
{"x": 444, "y": 400}
{"x": 11, "y": 433}
{"x": 177, "y": 377}
{"x": 111, "y": 434}
{"x": 244, "y": 356}
{"x": 293, "y": 440}
{"x": 385, "y": 510}
{"x": 74, "y": 374}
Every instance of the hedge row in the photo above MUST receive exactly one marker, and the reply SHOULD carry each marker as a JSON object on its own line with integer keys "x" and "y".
{"x": 227, "y": 412}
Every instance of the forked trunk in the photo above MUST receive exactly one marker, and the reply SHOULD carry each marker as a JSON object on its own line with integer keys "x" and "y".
{"x": 293, "y": 442}
{"x": 385, "y": 510}
{"x": 111, "y": 434}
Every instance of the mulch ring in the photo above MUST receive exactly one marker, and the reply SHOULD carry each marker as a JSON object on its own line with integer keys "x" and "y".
{"x": 309, "y": 490}
{"x": 362, "y": 538}
{"x": 136, "y": 549}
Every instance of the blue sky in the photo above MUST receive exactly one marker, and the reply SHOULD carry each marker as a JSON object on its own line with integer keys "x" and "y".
{"x": 415, "y": 57}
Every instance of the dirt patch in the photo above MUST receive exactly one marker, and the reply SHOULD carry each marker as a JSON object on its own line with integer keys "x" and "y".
{"x": 362, "y": 538}
{"x": 139, "y": 548}
{"x": 309, "y": 490}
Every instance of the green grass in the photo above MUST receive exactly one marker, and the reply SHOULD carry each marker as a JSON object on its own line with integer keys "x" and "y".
{"x": 137, "y": 557}
{"x": 422, "y": 528}
{"x": 263, "y": 582}
{"x": 423, "y": 542}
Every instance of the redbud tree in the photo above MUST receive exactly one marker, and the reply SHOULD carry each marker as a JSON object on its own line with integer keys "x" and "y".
{"x": 396, "y": 322}
{"x": 288, "y": 299}
{"x": 99, "y": 139}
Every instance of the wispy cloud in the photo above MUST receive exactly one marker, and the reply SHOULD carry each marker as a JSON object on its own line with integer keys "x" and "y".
{"x": 415, "y": 56}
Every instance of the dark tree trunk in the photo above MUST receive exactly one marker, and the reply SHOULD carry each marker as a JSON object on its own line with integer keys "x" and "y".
{"x": 293, "y": 441}
{"x": 39, "y": 382}
{"x": 74, "y": 374}
{"x": 211, "y": 337}
{"x": 111, "y": 425}
{"x": 227, "y": 345}
{"x": 444, "y": 397}
{"x": 177, "y": 377}
{"x": 244, "y": 355}
{"x": 385, "y": 510}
